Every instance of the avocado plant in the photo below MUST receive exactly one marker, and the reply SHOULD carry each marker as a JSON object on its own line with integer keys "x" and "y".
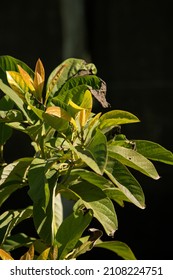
{"x": 79, "y": 156}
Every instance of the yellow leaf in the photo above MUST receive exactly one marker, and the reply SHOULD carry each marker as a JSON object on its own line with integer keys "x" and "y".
{"x": 4, "y": 255}
{"x": 82, "y": 117}
{"x": 60, "y": 113}
{"x": 39, "y": 79}
{"x": 29, "y": 255}
{"x": 73, "y": 108}
{"x": 44, "y": 255}
{"x": 28, "y": 80}
{"x": 39, "y": 68}
{"x": 87, "y": 101}
{"x": 17, "y": 83}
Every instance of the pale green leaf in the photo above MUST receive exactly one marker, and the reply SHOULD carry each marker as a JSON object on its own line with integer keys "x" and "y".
{"x": 154, "y": 151}
{"x": 70, "y": 231}
{"x": 134, "y": 160}
{"x": 125, "y": 181}
{"x": 98, "y": 148}
{"x": 118, "y": 247}
{"x": 93, "y": 178}
{"x": 102, "y": 207}
{"x": 47, "y": 211}
{"x": 116, "y": 117}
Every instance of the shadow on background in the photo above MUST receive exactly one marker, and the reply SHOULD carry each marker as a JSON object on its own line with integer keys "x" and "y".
{"x": 131, "y": 45}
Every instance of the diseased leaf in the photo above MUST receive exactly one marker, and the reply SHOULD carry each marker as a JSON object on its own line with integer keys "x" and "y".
{"x": 67, "y": 69}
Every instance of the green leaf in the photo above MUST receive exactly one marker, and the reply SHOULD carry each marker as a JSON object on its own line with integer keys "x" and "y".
{"x": 154, "y": 151}
{"x": 16, "y": 241}
{"x": 94, "y": 198}
{"x": 13, "y": 177}
{"x": 117, "y": 195}
{"x": 6, "y": 103}
{"x": 5, "y": 133}
{"x": 86, "y": 157}
{"x": 47, "y": 211}
{"x": 116, "y": 117}
{"x": 68, "y": 68}
{"x": 125, "y": 181}
{"x": 74, "y": 89}
{"x": 85, "y": 243}
{"x": 9, "y": 219}
{"x": 70, "y": 231}
{"x": 9, "y": 63}
{"x": 98, "y": 148}
{"x": 134, "y": 160}
{"x": 11, "y": 116}
{"x": 93, "y": 178}
{"x": 37, "y": 111}
{"x": 118, "y": 247}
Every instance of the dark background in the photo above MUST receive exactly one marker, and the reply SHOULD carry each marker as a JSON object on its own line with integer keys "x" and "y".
{"x": 131, "y": 44}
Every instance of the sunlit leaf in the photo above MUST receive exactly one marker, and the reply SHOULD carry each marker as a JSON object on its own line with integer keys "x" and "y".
{"x": 17, "y": 100}
{"x": 118, "y": 247}
{"x": 47, "y": 211}
{"x": 44, "y": 255}
{"x": 10, "y": 116}
{"x": 125, "y": 181}
{"x": 70, "y": 231}
{"x": 154, "y": 151}
{"x": 9, "y": 63}
{"x": 61, "y": 114}
{"x": 98, "y": 148}
{"x": 10, "y": 219}
{"x": 68, "y": 68}
{"x": 39, "y": 79}
{"x": 116, "y": 117}
{"x": 5, "y": 256}
{"x": 17, "y": 83}
{"x": 134, "y": 160}
{"x": 26, "y": 77}
{"x": 102, "y": 207}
